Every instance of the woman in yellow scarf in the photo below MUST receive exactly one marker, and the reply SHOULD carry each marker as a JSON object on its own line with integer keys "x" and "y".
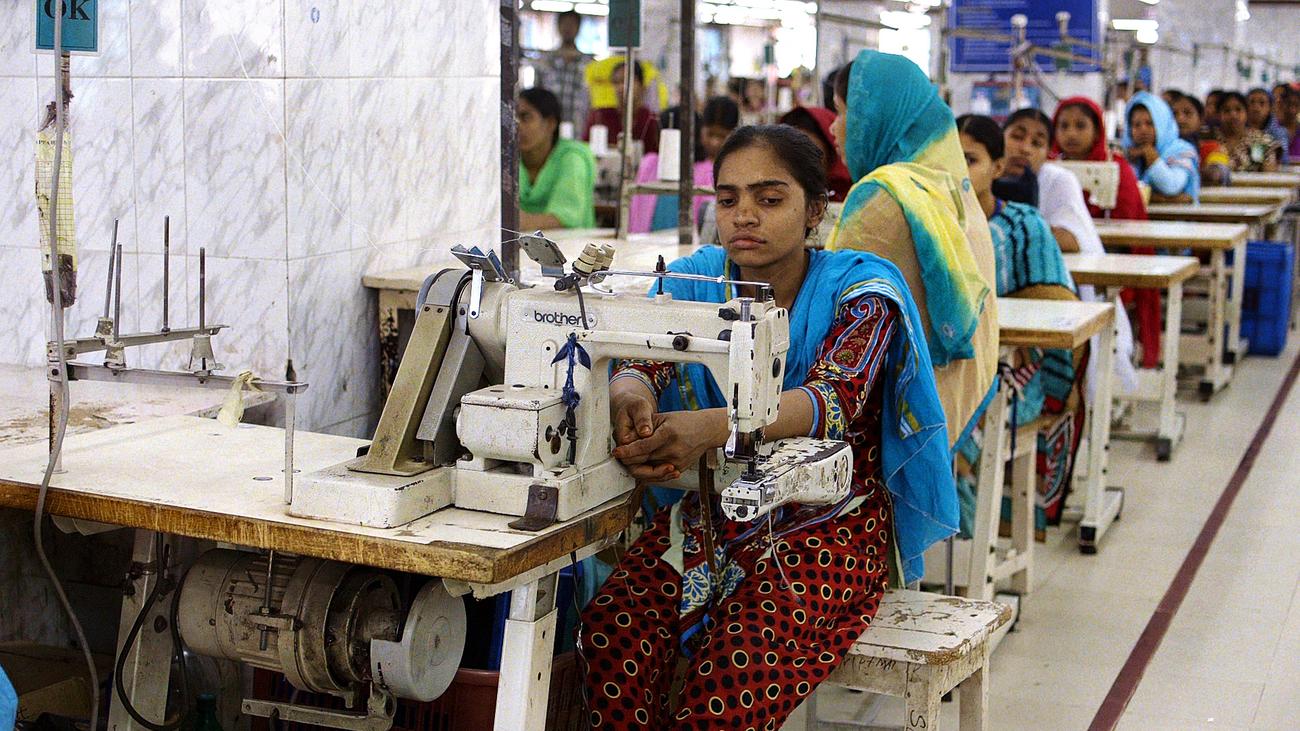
{"x": 913, "y": 205}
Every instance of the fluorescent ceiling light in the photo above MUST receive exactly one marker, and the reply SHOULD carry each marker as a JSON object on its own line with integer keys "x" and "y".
{"x": 1150, "y": 2}
{"x": 1146, "y": 35}
{"x": 1134, "y": 24}
{"x": 552, "y": 6}
{"x": 591, "y": 8}
{"x": 901, "y": 20}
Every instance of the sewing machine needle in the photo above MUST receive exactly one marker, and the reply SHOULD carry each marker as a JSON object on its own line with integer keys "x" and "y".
{"x": 167, "y": 252}
{"x": 108, "y": 288}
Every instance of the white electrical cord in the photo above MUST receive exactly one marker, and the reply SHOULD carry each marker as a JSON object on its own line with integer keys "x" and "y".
{"x": 61, "y": 428}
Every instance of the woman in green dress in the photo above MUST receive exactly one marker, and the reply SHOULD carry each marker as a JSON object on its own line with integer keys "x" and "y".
{"x": 556, "y": 177}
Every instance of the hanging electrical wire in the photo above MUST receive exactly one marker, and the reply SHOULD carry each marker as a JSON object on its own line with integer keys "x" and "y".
{"x": 60, "y": 376}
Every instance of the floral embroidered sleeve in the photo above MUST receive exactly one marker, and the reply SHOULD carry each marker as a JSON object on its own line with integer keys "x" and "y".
{"x": 848, "y": 364}
{"x": 655, "y": 374}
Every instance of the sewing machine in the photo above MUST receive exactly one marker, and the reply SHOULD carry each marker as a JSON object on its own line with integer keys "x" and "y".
{"x": 501, "y": 403}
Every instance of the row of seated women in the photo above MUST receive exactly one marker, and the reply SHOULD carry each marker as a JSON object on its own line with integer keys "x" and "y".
{"x": 708, "y": 623}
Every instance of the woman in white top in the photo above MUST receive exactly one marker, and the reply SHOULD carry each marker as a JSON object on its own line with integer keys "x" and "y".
{"x": 1028, "y": 134}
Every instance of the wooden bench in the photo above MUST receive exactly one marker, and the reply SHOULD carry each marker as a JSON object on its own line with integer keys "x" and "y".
{"x": 920, "y": 647}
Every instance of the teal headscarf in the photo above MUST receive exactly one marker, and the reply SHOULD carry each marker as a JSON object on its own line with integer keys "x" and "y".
{"x": 902, "y": 139}
{"x": 914, "y": 443}
{"x": 1173, "y": 149}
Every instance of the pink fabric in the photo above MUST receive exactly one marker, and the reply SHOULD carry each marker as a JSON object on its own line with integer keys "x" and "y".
{"x": 642, "y": 212}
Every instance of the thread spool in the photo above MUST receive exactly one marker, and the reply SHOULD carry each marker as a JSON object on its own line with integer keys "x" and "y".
{"x": 670, "y": 147}
{"x": 599, "y": 139}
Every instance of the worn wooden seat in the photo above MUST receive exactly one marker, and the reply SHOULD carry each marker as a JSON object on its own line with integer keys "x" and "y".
{"x": 921, "y": 646}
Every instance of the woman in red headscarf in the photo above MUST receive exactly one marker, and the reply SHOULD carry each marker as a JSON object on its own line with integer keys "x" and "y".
{"x": 816, "y": 123}
{"x": 1080, "y": 135}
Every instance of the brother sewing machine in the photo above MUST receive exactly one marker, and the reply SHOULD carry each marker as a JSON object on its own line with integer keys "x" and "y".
{"x": 501, "y": 403}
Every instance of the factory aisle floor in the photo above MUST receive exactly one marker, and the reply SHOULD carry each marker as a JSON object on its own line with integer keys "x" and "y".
{"x": 1231, "y": 657}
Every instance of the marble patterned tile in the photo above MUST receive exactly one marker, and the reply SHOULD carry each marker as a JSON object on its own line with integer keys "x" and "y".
{"x": 475, "y": 33}
{"x": 318, "y": 38}
{"x": 385, "y": 26}
{"x": 360, "y": 427}
{"x": 156, "y": 38}
{"x": 149, "y": 306}
{"x": 250, "y": 296}
{"x": 17, "y": 23}
{"x": 233, "y": 38}
{"x": 18, "y": 219}
{"x": 338, "y": 361}
{"x": 456, "y": 180}
{"x": 23, "y": 310}
{"x": 437, "y": 172}
{"x": 234, "y": 168}
{"x": 92, "y": 286}
{"x": 114, "y": 57}
{"x": 104, "y": 177}
{"x": 429, "y": 41}
{"x": 481, "y": 154}
{"x": 159, "y": 164}
{"x": 400, "y": 254}
{"x": 380, "y": 162}
{"x": 319, "y": 159}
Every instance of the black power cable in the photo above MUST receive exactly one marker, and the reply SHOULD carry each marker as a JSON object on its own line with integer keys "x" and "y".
{"x": 162, "y": 584}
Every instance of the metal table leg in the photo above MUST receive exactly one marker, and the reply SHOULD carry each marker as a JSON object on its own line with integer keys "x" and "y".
{"x": 148, "y": 665}
{"x": 526, "y": 657}
{"x": 1170, "y": 431}
{"x": 1102, "y": 506}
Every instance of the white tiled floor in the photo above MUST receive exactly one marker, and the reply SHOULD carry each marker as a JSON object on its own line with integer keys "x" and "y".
{"x": 1231, "y": 658}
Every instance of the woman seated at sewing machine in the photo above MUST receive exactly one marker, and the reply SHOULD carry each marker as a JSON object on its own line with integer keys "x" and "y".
{"x": 908, "y": 205}
{"x": 760, "y": 613}
{"x": 556, "y": 177}
{"x": 1030, "y": 265}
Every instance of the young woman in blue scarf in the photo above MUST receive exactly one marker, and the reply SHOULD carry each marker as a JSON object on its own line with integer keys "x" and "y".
{"x": 1160, "y": 157}
{"x": 1029, "y": 265}
{"x": 790, "y": 596}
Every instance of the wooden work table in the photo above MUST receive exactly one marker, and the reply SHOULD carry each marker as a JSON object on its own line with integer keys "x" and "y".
{"x": 1290, "y": 181}
{"x": 1251, "y": 214}
{"x": 1051, "y": 323}
{"x": 1110, "y": 273}
{"x": 1226, "y": 291}
{"x": 1245, "y": 194}
{"x": 1131, "y": 270}
{"x": 194, "y": 477}
{"x": 1171, "y": 234}
{"x": 1069, "y": 324}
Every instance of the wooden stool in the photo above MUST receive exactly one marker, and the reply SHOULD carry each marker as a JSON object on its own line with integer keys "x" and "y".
{"x": 921, "y": 646}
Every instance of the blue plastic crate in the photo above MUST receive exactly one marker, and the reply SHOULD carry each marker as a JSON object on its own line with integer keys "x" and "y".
{"x": 1266, "y": 307}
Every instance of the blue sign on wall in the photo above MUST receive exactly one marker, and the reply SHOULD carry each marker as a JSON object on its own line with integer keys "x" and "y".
{"x": 80, "y": 25}
{"x": 994, "y": 16}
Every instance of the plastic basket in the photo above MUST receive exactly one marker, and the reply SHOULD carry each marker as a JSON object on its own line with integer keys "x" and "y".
{"x": 469, "y": 703}
{"x": 1266, "y": 304}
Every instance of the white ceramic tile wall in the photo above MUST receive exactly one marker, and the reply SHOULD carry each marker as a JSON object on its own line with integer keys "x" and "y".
{"x": 300, "y": 142}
